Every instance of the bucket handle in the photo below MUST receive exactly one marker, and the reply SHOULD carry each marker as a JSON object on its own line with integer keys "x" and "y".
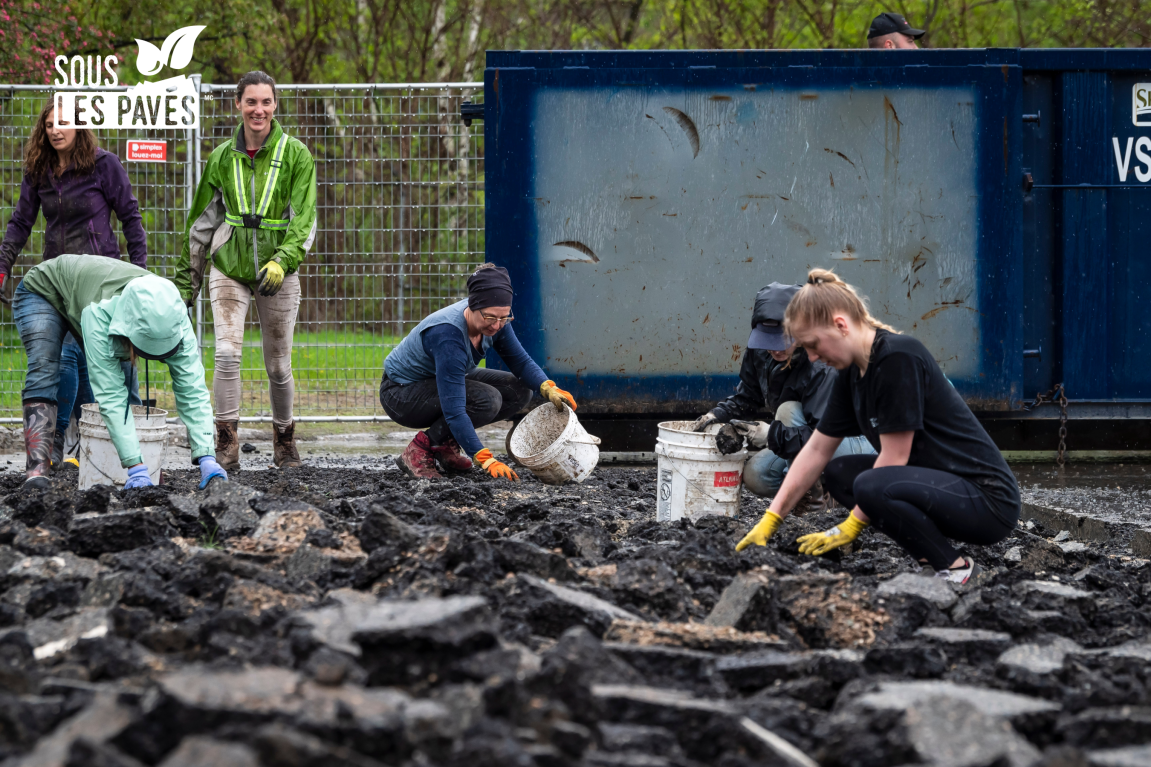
{"x": 594, "y": 441}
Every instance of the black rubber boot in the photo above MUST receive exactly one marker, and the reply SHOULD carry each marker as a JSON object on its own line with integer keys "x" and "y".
{"x": 58, "y": 450}
{"x": 39, "y": 433}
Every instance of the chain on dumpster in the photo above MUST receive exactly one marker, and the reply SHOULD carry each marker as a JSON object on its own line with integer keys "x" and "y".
{"x": 1057, "y": 395}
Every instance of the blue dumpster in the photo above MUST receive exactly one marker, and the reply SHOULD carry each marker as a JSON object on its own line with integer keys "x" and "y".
{"x": 993, "y": 203}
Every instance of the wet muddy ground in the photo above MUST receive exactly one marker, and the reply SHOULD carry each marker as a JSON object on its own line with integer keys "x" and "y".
{"x": 343, "y": 615}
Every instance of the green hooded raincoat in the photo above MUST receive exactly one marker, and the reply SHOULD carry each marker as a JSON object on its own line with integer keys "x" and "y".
{"x": 229, "y": 247}
{"x": 102, "y": 298}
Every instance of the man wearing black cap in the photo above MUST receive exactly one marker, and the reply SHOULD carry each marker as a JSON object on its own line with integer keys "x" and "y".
{"x": 777, "y": 376}
{"x": 432, "y": 380}
{"x": 891, "y": 31}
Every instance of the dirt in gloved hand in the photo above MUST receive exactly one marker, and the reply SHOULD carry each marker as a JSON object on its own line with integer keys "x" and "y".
{"x": 728, "y": 440}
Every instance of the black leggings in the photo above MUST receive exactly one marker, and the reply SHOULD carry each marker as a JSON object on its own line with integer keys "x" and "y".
{"x": 492, "y": 395}
{"x": 918, "y": 508}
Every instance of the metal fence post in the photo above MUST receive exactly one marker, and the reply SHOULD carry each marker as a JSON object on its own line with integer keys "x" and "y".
{"x": 193, "y": 174}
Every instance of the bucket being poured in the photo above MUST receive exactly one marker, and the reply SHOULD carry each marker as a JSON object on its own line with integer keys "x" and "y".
{"x": 99, "y": 461}
{"x": 694, "y": 479}
{"x": 554, "y": 446}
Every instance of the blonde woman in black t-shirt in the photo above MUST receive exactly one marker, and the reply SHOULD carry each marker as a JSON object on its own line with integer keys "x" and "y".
{"x": 938, "y": 475}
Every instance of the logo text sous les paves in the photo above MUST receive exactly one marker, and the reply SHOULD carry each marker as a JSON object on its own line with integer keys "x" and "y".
{"x": 170, "y": 104}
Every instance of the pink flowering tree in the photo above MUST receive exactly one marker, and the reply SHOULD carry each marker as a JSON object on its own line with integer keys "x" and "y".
{"x": 34, "y": 32}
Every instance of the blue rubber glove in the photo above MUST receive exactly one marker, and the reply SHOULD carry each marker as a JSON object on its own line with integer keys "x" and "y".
{"x": 209, "y": 470}
{"x": 138, "y": 477}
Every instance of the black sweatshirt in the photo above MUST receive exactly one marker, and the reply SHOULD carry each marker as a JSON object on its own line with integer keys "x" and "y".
{"x": 765, "y": 384}
{"x": 905, "y": 390}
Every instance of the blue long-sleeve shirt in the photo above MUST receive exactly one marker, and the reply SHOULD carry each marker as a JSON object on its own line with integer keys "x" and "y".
{"x": 454, "y": 356}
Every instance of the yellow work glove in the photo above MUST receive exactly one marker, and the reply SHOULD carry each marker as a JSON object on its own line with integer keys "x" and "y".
{"x": 842, "y": 534}
{"x": 498, "y": 470}
{"x": 763, "y": 530}
{"x": 558, "y": 396}
{"x": 271, "y": 277}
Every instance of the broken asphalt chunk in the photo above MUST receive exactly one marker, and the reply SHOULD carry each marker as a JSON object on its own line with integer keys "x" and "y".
{"x": 94, "y": 534}
{"x": 49, "y": 637}
{"x": 524, "y": 557}
{"x": 227, "y": 503}
{"x": 101, "y": 720}
{"x": 751, "y": 672}
{"x": 967, "y": 645}
{"x": 945, "y": 732}
{"x": 410, "y": 641}
{"x": 201, "y": 751}
{"x": 1036, "y": 659}
{"x": 746, "y": 604}
{"x": 552, "y": 608}
{"x": 932, "y": 590}
{"x": 900, "y": 696}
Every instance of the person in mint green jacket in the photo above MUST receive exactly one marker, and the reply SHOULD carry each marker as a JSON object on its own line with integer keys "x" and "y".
{"x": 254, "y": 219}
{"x": 120, "y": 312}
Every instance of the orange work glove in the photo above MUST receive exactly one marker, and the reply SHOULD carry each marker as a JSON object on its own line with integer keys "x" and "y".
{"x": 498, "y": 470}
{"x": 557, "y": 396}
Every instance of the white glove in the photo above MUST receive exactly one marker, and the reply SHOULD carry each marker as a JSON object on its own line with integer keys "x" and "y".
{"x": 701, "y": 423}
{"x": 755, "y": 432}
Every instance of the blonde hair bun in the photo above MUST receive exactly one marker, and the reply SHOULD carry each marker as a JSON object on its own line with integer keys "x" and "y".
{"x": 823, "y": 297}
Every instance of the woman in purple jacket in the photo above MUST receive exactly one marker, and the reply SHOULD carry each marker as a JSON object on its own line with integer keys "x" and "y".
{"x": 78, "y": 186}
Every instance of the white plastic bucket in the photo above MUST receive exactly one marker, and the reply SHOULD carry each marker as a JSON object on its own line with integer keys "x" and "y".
{"x": 554, "y": 446}
{"x": 99, "y": 461}
{"x": 694, "y": 479}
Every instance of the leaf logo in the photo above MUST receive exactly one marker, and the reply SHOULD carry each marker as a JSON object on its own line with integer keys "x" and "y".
{"x": 177, "y": 47}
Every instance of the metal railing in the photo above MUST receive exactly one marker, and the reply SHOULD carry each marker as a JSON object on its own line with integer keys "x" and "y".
{"x": 400, "y": 226}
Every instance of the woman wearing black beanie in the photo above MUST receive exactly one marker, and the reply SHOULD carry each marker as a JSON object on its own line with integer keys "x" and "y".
{"x": 431, "y": 380}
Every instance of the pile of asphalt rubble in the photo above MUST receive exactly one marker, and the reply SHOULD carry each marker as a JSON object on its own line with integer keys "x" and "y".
{"x": 340, "y": 617}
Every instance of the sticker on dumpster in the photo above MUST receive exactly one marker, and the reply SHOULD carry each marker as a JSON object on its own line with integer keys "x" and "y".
{"x": 1141, "y": 104}
{"x": 726, "y": 478}
{"x": 148, "y": 151}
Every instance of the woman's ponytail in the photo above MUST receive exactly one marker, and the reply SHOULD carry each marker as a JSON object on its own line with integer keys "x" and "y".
{"x": 824, "y": 296}
{"x": 823, "y": 277}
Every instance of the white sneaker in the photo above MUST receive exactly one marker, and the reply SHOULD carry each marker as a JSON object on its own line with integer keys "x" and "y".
{"x": 960, "y": 575}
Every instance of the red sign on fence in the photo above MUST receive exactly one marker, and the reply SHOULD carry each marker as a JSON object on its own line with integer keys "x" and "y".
{"x": 148, "y": 151}
{"x": 726, "y": 478}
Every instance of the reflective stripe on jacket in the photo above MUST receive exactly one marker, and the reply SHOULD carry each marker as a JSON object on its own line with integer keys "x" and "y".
{"x": 213, "y": 232}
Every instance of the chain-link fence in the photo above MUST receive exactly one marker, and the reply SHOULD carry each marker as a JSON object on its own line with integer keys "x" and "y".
{"x": 400, "y": 226}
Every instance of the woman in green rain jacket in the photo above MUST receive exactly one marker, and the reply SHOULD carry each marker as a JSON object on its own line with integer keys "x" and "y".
{"x": 254, "y": 218}
{"x": 120, "y": 312}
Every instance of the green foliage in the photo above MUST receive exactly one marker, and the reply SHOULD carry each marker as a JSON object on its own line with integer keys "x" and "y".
{"x": 437, "y": 40}
{"x": 34, "y": 32}
{"x": 209, "y": 539}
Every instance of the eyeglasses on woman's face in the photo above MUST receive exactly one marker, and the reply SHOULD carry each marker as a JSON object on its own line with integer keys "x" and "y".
{"x": 501, "y": 320}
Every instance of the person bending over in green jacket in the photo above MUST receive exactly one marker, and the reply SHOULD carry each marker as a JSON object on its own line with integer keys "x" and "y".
{"x": 254, "y": 218}
{"x": 120, "y": 312}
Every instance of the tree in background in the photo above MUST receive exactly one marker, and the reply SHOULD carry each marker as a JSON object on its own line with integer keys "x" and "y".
{"x": 34, "y": 32}
{"x": 423, "y": 40}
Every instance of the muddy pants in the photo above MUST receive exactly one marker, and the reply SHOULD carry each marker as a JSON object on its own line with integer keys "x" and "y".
{"x": 230, "y": 300}
{"x": 492, "y": 395}
{"x": 919, "y": 508}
